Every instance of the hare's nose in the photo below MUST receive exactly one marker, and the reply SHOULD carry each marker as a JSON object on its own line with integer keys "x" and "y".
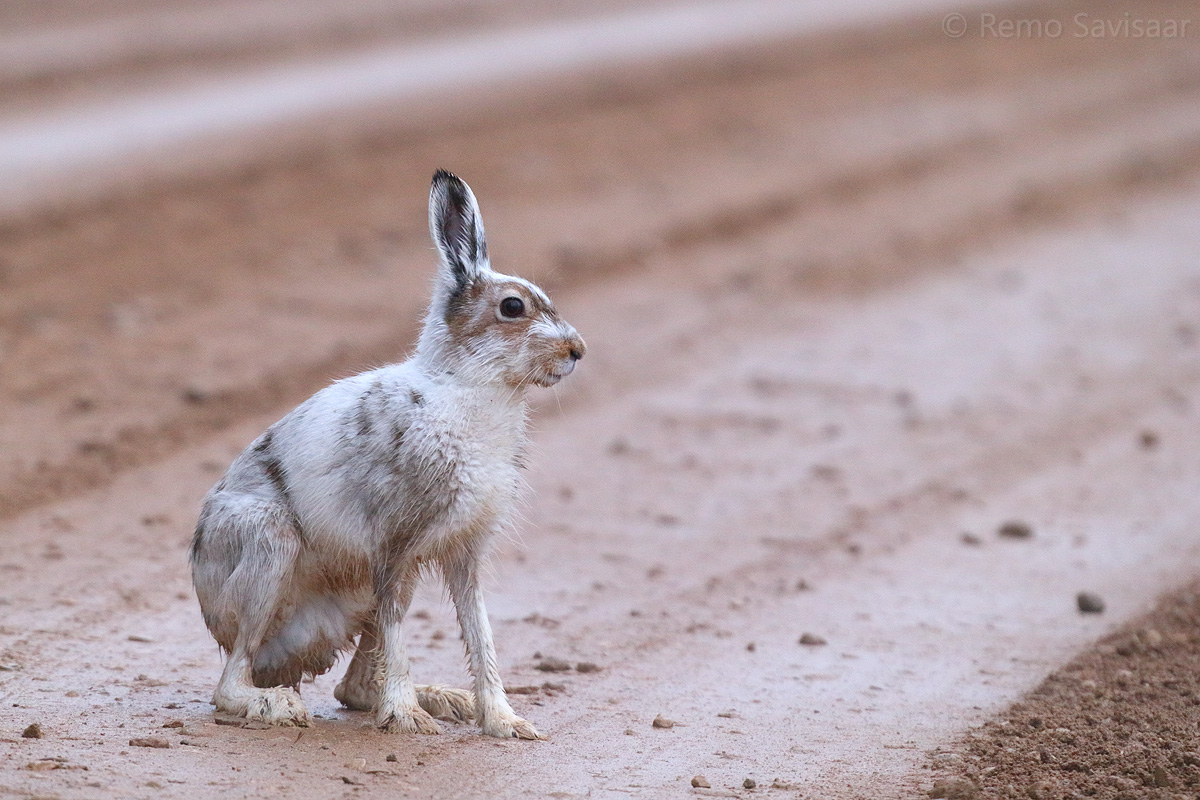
{"x": 577, "y": 347}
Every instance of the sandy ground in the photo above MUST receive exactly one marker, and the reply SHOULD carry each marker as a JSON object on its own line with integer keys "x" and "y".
{"x": 847, "y": 316}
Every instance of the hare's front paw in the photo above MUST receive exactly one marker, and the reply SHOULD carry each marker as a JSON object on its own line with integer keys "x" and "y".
{"x": 407, "y": 720}
{"x": 279, "y": 706}
{"x": 505, "y": 725}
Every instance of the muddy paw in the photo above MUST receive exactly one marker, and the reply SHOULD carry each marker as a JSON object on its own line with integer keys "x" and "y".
{"x": 510, "y": 726}
{"x": 407, "y": 720}
{"x": 279, "y": 706}
{"x": 446, "y": 702}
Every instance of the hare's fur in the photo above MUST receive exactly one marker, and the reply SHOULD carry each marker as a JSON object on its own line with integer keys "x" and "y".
{"x": 320, "y": 530}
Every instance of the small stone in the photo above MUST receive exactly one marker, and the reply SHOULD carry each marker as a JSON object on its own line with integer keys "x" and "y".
{"x": 1089, "y": 603}
{"x": 522, "y": 689}
{"x": 954, "y": 789}
{"x": 346, "y": 779}
{"x": 135, "y": 637}
{"x": 175, "y": 723}
{"x": 1148, "y": 439}
{"x": 749, "y": 783}
{"x": 586, "y": 667}
{"x": 149, "y": 741}
{"x": 662, "y": 722}
{"x": 1015, "y": 529}
{"x": 552, "y": 664}
{"x": 44, "y": 765}
{"x": 970, "y": 539}
{"x": 392, "y": 758}
{"x": 812, "y": 640}
{"x": 751, "y": 647}
{"x": 34, "y": 731}
{"x": 1161, "y": 779}
{"x": 700, "y": 782}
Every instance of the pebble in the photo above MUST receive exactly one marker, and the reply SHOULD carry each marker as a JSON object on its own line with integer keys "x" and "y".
{"x": 812, "y": 640}
{"x": 34, "y": 731}
{"x": 1015, "y": 529}
{"x": 587, "y": 666}
{"x": 749, "y": 783}
{"x": 1089, "y": 603}
{"x": 700, "y": 782}
{"x": 175, "y": 723}
{"x": 150, "y": 741}
{"x": 392, "y": 758}
{"x": 552, "y": 664}
{"x": 662, "y": 722}
{"x": 969, "y": 539}
{"x": 954, "y": 789}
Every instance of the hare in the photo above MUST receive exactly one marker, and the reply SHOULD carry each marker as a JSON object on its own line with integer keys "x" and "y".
{"x": 321, "y": 528}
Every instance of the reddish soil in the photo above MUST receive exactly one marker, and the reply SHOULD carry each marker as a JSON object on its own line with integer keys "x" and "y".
{"x": 1117, "y": 723}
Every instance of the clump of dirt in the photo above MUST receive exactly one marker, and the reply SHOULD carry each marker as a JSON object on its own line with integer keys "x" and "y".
{"x": 1118, "y": 723}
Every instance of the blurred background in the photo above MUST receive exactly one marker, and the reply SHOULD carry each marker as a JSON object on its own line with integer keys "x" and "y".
{"x": 861, "y": 282}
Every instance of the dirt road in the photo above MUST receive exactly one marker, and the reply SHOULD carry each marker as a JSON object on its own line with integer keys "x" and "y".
{"x": 852, "y": 303}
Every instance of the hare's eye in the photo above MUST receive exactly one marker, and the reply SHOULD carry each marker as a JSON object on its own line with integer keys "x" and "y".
{"x": 512, "y": 307}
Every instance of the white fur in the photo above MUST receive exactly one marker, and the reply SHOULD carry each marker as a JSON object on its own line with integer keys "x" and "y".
{"x": 319, "y": 531}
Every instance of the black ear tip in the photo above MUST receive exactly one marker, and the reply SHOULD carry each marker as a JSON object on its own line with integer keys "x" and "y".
{"x": 445, "y": 176}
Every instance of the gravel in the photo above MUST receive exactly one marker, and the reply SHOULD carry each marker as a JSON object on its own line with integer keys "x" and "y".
{"x": 1089, "y": 603}
{"x": 1015, "y": 529}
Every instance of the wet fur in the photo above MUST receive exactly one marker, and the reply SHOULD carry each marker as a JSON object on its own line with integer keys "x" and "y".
{"x": 320, "y": 529}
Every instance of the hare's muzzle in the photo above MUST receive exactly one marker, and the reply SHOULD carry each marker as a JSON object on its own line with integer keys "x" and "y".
{"x": 576, "y": 347}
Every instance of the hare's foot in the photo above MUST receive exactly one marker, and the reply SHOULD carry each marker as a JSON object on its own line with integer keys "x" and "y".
{"x": 279, "y": 706}
{"x": 446, "y": 702}
{"x": 399, "y": 719}
{"x": 276, "y": 706}
{"x": 506, "y": 725}
{"x": 357, "y": 691}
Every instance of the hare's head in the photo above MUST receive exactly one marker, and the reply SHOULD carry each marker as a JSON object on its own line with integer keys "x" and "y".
{"x": 483, "y": 325}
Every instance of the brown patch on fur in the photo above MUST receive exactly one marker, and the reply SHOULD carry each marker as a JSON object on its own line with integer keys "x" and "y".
{"x": 461, "y": 307}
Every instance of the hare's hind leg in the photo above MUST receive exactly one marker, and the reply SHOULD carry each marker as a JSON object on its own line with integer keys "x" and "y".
{"x": 253, "y": 592}
{"x": 359, "y": 689}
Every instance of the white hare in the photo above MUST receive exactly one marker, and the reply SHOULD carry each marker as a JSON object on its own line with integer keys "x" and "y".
{"x": 319, "y": 531}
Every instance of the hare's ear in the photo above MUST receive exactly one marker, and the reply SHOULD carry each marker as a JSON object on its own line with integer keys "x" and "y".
{"x": 457, "y": 230}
